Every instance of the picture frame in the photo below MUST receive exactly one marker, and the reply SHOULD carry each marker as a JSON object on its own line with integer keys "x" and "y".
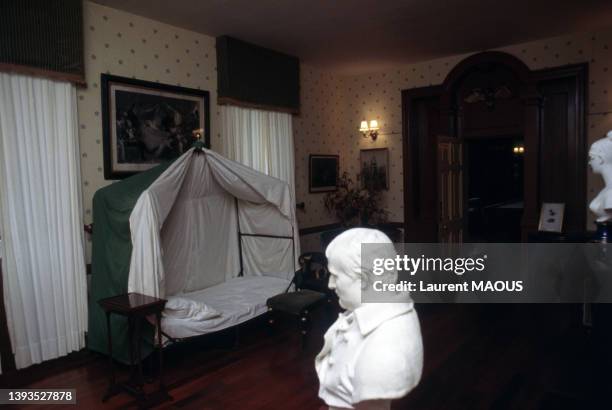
{"x": 323, "y": 173}
{"x": 146, "y": 123}
{"x": 374, "y": 168}
{"x": 551, "y": 217}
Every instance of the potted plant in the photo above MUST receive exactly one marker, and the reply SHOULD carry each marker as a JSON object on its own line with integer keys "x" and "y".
{"x": 354, "y": 205}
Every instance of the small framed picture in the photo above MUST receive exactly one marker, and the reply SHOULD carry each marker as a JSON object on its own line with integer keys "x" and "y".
{"x": 374, "y": 169}
{"x": 323, "y": 173}
{"x": 551, "y": 217}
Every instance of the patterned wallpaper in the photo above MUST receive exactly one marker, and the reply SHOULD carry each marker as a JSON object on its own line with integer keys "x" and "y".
{"x": 332, "y": 108}
{"x": 332, "y": 105}
{"x": 123, "y": 44}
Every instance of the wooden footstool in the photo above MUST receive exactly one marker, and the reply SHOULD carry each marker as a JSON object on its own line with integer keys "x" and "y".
{"x": 299, "y": 303}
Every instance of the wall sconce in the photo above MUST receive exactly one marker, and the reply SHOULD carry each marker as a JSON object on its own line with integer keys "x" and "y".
{"x": 518, "y": 149}
{"x": 370, "y": 130}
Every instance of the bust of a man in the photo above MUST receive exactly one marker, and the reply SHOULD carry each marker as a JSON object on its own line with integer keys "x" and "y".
{"x": 600, "y": 159}
{"x": 373, "y": 353}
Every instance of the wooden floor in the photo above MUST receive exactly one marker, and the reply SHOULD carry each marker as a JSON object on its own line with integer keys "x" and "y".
{"x": 476, "y": 357}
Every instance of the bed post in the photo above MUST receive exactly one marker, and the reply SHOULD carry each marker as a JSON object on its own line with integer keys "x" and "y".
{"x": 293, "y": 249}
{"x": 241, "y": 273}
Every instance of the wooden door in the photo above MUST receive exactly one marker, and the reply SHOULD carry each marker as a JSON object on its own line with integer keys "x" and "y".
{"x": 450, "y": 190}
{"x": 421, "y": 123}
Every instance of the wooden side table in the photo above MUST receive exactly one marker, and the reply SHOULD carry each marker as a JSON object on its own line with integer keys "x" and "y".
{"x": 135, "y": 307}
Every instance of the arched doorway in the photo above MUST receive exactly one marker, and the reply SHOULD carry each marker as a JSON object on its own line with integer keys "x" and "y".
{"x": 490, "y": 100}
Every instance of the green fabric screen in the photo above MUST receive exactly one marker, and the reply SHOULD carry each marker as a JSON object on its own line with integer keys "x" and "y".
{"x": 110, "y": 261}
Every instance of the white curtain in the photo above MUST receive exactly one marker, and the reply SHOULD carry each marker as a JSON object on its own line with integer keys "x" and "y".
{"x": 44, "y": 265}
{"x": 1, "y": 257}
{"x": 262, "y": 140}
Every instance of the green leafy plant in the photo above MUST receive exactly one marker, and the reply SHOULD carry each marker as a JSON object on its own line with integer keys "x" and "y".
{"x": 354, "y": 205}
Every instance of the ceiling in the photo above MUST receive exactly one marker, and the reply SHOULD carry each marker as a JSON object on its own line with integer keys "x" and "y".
{"x": 356, "y": 36}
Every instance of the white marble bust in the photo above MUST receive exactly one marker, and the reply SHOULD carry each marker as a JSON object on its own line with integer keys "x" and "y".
{"x": 373, "y": 353}
{"x": 600, "y": 159}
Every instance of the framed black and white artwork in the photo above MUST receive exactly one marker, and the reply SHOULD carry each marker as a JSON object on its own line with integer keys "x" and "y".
{"x": 323, "y": 173}
{"x": 551, "y": 217}
{"x": 374, "y": 169}
{"x": 146, "y": 123}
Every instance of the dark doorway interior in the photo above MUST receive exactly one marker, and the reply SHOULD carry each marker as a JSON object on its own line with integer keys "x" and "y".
{"x": 546, "y": 108}
{"x": 495, "y": 189}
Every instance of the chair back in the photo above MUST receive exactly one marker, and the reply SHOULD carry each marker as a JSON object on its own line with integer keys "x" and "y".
{"x": 313, "y": 273}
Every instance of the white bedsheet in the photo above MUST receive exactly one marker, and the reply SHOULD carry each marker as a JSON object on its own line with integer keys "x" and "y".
{"x": 238, "y": 300}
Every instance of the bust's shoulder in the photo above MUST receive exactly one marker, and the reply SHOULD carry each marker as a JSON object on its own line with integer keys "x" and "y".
{"x": 606, "y": 194}
{"x": 392, "y": 352}
{"x": 404, "y": 327}
{"x": 602, "y": 203}
{"x": 392, "y": 346}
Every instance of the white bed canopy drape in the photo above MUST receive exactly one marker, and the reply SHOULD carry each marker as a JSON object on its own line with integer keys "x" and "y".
{"x": 43, "y": 265}
{"x": 185, "y": 226}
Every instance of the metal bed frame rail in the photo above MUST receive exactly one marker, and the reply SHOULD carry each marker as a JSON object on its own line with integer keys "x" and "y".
{"x": 241, "y": 234}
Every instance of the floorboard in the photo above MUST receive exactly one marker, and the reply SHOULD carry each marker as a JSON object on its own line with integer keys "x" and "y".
{"x": 476, "y": 357}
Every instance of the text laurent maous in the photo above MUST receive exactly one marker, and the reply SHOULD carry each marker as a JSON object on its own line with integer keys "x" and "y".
{"x": 473, "y": 286}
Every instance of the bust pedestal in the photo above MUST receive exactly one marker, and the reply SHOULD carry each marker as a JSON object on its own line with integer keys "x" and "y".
{"x": 603, "y": 233}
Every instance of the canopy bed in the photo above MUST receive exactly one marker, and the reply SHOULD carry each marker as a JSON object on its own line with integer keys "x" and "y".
{"x": 214, "y": 237}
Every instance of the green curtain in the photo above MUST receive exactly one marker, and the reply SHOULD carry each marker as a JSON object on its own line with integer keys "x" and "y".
{"x": 110, "y": 261}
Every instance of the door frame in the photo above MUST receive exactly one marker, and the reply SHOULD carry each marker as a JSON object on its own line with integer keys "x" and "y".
{"x": 420, "y": 189}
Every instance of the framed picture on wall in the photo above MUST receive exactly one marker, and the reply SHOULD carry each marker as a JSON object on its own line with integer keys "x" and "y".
{"x": 374, "y": 168}
{"x": 146, "y": 123}
{"x": 323, "y": 173}
{"x": 551, "y": 217}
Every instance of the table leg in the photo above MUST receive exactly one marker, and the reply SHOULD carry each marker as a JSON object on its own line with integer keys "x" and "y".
{"x": 138, "y": 341}
{"x": 162, "y": 393}
{"x": 111, "y": 386}
{"x": 304, "y": 327}
{"x": 110, "y": 349}
{"x": 159, "y": 351}
{"x": 271, "y": 320}
{"x": 131, "y": 346}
